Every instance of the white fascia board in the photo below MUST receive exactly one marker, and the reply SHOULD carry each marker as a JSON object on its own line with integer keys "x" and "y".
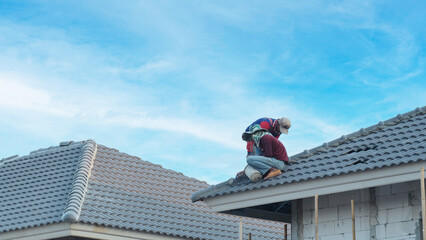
{"x": 322, "y": 186}
{"x": 39, "y": 233}
{"x": 107, "y": 233}
{"x": 59, "y": 230}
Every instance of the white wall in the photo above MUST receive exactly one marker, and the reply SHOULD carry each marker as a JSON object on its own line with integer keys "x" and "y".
{"x": 391, "y": 212}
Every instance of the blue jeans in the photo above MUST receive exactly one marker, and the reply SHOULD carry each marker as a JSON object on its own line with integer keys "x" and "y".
{"x": 263, "y": 164}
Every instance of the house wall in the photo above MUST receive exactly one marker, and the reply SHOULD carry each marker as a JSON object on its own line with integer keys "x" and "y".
{"x": 387, "y": 212}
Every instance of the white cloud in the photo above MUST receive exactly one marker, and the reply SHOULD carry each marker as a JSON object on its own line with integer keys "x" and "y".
{"x": 19, "y": 96}
{"x": 145, "y": 71}
{"x": 15, "y": 94}
{"x": 199, "y": 129}
{"x": 99, "y": 108}
{"x": 192, "y": 78}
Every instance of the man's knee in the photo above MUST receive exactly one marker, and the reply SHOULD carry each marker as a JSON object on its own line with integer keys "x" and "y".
{"x": 250, "y": 160}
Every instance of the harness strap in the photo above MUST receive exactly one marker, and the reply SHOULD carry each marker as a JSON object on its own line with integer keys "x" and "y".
{"x": 271, "y": 122}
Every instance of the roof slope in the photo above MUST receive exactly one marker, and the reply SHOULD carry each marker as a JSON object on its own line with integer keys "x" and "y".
{"x": 34, "y": 189}
{"x": 397, "y": 141}
{"x": 88, "y": 183}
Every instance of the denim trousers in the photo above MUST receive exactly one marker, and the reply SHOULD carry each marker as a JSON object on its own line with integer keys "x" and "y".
{"x": 263, "y": 164}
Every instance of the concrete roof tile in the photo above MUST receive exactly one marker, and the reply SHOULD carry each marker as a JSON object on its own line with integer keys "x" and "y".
{"x": 93, "y": 184}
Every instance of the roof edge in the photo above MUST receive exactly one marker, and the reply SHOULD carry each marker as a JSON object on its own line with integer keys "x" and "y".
{"x": 81, "y": 178}
{"x": 306, "y": 189}
{"x": 199, "y": 196}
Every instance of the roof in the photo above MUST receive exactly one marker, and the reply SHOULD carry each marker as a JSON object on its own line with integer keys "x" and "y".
{"x": 395, "y": 142}
{"x": 86, "y": 183}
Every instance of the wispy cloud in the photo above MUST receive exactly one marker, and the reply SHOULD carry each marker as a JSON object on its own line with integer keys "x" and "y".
{"x": 388, "y": 51}
{"x": 180, "y": 88}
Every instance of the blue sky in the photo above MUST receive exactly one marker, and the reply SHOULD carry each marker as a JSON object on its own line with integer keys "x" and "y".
{"x": 177, "y": 82}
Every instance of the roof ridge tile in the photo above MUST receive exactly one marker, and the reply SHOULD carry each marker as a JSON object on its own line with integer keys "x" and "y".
{"x": 81, "y": 179}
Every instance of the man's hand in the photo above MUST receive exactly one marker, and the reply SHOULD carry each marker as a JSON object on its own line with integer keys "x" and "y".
{"x": 239, "y": 174}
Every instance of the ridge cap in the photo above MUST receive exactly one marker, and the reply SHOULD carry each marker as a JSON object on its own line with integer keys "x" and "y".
{"x": 77, "y": 193}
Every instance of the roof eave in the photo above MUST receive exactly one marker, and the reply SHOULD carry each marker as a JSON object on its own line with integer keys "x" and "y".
{"x": 60, "y": 230}
{"x": 323, "y": 186}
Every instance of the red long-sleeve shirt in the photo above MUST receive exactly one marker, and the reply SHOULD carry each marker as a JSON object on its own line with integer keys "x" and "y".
{"x": 272, "y": 147}
{"x": 265, "y": 123}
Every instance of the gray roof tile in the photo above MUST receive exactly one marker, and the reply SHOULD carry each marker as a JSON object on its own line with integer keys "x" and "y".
{"x": 52, "y": 185}
{"x": 397, "y": 141}
{"x": 35, "y": 188}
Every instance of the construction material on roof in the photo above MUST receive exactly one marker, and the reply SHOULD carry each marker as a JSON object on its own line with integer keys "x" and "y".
{"x": 252, "y": 174}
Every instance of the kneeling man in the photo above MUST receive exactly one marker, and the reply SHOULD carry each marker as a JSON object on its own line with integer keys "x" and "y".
{"x": 273, "y": 158}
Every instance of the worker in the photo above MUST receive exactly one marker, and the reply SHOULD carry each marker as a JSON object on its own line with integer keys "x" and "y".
{"x": 274, "y": 126}
{"x": 273, "y": 159}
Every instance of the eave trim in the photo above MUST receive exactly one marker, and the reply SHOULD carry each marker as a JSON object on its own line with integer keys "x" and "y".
{"x": 323, "y": 186}
{"x": 60, "y": 230}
